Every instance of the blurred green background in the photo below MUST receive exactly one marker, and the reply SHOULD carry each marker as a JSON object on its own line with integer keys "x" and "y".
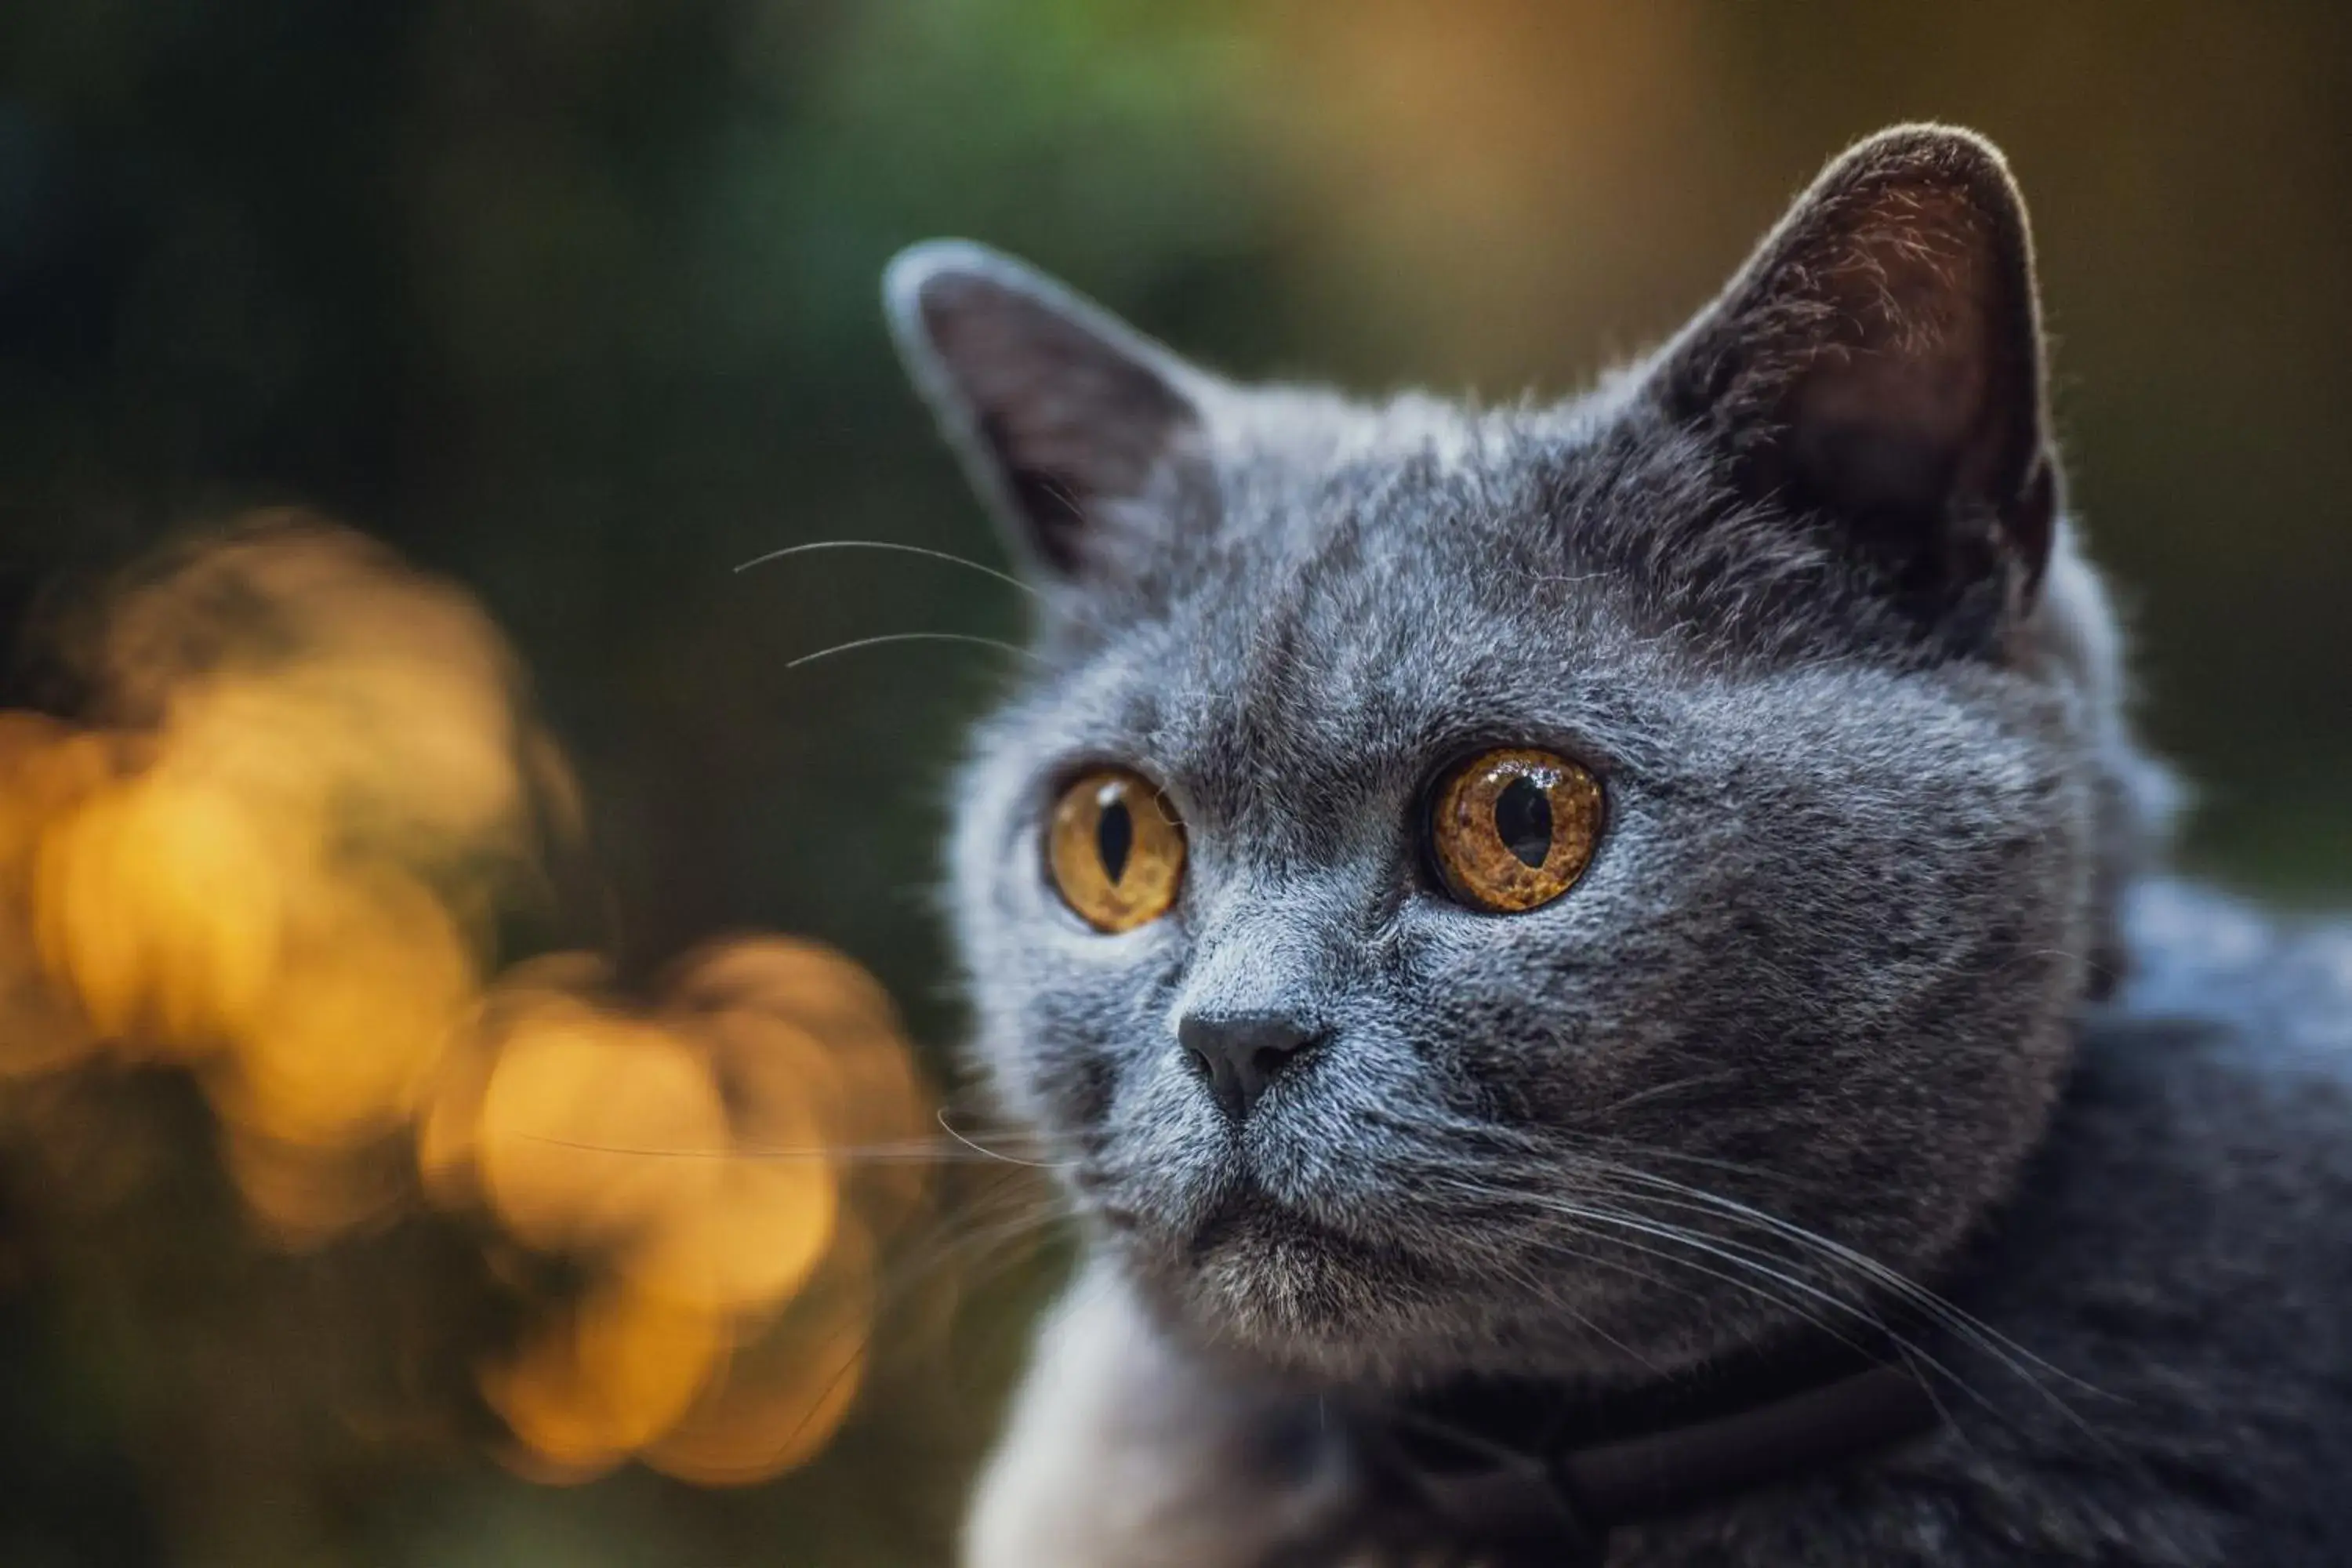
{"x": 573, "y": 302}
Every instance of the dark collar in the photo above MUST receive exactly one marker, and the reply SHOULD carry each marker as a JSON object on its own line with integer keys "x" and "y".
{"x": 1528, "y": 1475}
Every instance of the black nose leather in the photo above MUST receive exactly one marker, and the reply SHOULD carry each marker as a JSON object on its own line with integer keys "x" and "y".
{"x": 1241, "y": 1053}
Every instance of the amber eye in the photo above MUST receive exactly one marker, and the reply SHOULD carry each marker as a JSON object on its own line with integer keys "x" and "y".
{"x": 1116, "y": 850}
{"x": 1513, "y": 830}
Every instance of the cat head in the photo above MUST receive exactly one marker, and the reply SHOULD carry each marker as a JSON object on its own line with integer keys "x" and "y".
{"x": 1445, "y": 870}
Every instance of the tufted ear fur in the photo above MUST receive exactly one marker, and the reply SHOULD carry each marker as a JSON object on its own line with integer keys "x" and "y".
{"x": 1876, "y": 368}
{"x": 1076, "y": 430}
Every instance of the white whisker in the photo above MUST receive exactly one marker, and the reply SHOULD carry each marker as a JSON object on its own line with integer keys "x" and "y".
{"x": 1942, "y": 1309}
{"x": 997, "y": 643}
{"x": 913, "y": 1152}
{"x": 948, "y": 1128}
{"x": 1741, "y": 1258}
{"x": 979, "y": 566}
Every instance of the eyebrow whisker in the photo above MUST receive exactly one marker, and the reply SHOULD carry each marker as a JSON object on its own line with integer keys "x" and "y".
{"x": 981, "y": 567}
{"x": 997, "y": 643}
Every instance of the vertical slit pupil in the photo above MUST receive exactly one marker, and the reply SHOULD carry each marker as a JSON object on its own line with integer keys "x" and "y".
{"x": 1115, "y": 839}
{"x": 1523, "y": 821}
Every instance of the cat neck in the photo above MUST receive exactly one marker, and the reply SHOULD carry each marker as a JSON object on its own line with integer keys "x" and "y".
{"x": 1542, "y": 1472}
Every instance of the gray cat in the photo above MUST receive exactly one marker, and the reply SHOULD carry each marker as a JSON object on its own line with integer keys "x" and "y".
{"x": 1541, "y": 927}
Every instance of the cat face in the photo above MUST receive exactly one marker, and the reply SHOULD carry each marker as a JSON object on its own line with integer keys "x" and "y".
{"x": 1810, "y": 709}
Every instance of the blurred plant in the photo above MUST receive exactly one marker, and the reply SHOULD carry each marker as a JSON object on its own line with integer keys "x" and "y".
{"x": 277, "y": 857}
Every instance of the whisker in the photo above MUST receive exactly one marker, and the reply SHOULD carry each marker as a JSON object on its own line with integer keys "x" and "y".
{"x": 912, "y": 1153}
{"x": 1536, "y": 1288}
{"x": 2016, "y": 1360}
{"x": 1952, "y": 1316}
{"x": 1662, "y": 1090}
{"x": 947, "y": 1127}
{"x": 1745, "y": 1286}
{"x": 1567, "y": 1212}
{"x": 1539, "y": 1149}
{"x": 894, "y": 1285}
{"x": 997, "y": 643}
{"x": 1741, "y": 1258}
{"x": 981, "y": 567}
{"x": 2020, "y": 1362}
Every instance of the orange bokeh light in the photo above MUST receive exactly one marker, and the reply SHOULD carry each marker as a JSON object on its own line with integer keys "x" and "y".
{"x": 276, "y": 859}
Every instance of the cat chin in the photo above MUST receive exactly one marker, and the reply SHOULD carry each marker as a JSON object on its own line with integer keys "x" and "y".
{"x": 1294, "y": 1313}
{"x": 1307, "y": 1321}
{"x": 1299, "y": 1317}
{"x": 1266, "y": 1290}
{"x": 1308, "y": 1293}
{"x": 1284, "y": 1296}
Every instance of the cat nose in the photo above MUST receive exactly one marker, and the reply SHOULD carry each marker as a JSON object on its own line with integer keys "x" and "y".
{"x": 1240, "y": 1054}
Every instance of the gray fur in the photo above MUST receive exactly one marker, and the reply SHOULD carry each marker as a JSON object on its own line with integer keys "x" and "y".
{"x": 1869, "y": 943}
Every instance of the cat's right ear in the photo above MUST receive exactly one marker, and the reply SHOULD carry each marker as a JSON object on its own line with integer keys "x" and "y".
{"x": 1081, "y": 434}
{"x": 1876, "y": 372}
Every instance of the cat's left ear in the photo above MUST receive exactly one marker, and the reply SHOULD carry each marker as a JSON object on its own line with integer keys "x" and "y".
{"x": 1878, "y": 367}
{"x": 1084, "y": 438}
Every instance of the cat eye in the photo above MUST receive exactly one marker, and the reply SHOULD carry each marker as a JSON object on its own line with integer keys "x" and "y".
{"x": 1116, "y": 850}
{"x": 1511, "y": 830}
